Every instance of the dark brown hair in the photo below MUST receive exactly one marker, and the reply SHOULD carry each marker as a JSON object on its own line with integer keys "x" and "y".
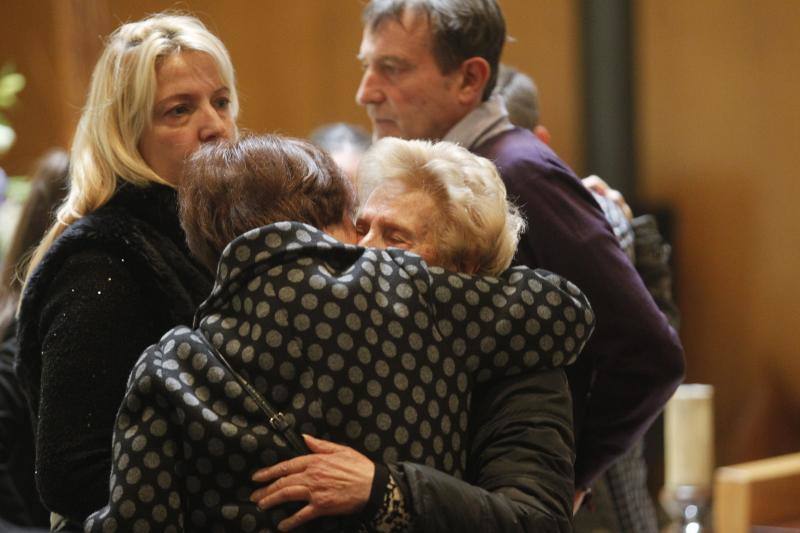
{"x": 232, "y": 187}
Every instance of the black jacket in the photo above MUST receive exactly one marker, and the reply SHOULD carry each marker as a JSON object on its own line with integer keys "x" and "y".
{"x": 519, "y": 469}
{"x": 109, "y": 286}
{"x": 19, "y": 501}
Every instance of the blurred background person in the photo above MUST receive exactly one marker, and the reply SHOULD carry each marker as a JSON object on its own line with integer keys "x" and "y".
{"x": 346, "y": 143}
{"x": 19, "y": 500}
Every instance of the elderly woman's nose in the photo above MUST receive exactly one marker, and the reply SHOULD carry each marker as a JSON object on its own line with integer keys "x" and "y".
{"x": 371, "y": 240}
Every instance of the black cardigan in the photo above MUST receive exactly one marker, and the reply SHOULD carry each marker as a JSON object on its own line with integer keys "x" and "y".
{"x": 109, "y": 286}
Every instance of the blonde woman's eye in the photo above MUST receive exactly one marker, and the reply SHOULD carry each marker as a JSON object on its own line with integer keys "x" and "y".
{"x": 178, "y": 110}
{"x": 223, "y": 103}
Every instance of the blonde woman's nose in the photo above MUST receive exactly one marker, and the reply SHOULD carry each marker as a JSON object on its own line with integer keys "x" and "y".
{"x": 215, "y": 125}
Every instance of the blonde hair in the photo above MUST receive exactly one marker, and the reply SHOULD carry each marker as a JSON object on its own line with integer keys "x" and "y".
{"x": 476, "y": 223}
{"x": 119, "y": 108}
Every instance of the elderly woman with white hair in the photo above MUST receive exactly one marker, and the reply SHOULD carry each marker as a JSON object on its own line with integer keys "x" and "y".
{"x": 113, "y": 272}
{"x": 439, "y": 201}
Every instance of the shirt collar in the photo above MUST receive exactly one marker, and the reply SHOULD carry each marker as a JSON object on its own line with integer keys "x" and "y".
{"x": 485, "y": 121}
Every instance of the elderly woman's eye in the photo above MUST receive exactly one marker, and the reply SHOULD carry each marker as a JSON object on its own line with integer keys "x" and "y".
{"x": 223, "y": 102}
{"x": 396, "y": 240}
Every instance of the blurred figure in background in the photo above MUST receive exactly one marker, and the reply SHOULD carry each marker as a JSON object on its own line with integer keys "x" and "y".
{"x": 521, "y": 97}
{"x": 9, "y": 213}
{"x": 621, "y": 496}
{"x": 346, "y": 143}
{"x": 19, "y": 501}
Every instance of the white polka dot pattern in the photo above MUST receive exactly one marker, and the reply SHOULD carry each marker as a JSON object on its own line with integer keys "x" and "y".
{"x": 369, "y": 348}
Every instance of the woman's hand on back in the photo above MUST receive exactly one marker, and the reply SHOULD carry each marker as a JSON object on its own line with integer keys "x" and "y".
{"x": 334, "y": 480}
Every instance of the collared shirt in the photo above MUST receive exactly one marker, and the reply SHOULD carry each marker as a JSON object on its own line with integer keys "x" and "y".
{"x": 482, "y": 123}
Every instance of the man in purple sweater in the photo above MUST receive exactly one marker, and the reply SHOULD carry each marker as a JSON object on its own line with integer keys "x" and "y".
{"x": 429, "y": 70}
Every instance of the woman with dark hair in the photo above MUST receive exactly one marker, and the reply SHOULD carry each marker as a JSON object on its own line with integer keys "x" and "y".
{"x": 371, "y": 354}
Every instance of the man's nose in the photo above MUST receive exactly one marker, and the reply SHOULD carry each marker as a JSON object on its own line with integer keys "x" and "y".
{"x": 214, "y": 126}
{"x": 369, "y": 90}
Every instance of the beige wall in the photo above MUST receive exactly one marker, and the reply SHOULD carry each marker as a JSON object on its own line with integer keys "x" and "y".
{"x": 718, "y": 123}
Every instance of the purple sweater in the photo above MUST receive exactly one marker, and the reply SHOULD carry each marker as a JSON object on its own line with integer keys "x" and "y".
{"x": 634, "y": 361}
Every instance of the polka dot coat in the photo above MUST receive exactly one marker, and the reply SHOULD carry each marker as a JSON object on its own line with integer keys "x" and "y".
{"x": 369, "y": 348}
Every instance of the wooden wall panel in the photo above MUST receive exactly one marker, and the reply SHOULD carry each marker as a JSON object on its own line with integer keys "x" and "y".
{"x": 28, "y": 40}
{"x": 719, "y": 123}
{"x": 546, "y": 45}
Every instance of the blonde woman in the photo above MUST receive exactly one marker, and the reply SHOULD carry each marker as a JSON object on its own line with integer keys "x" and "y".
{"x": 113, "y": 273}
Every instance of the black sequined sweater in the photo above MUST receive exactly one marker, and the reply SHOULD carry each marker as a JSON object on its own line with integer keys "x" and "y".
{"x": 109, "y": 286}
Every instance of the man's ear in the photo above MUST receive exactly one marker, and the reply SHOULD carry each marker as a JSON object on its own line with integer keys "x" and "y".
{"x": 475, "y": 73}
{"x": 543, "y": 133}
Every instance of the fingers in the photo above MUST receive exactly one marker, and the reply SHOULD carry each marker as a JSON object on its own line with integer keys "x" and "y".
{"x": 577, "y": 501}
{"x": 616, "y": 197}
{"x": 280, "y": 483}
{"x": 293, "y": 493}
{"x": 596, "y": 184}
{"x": 284, "y": 468}
{"x": 298, "y": 464}
{"x": 306, "y": 514}
{"x": 322, "y": 446}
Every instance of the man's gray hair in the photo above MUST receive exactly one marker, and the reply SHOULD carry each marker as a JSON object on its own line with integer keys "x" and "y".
{"x": 461, "y": 29}
{"x": 521, "y": 96}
